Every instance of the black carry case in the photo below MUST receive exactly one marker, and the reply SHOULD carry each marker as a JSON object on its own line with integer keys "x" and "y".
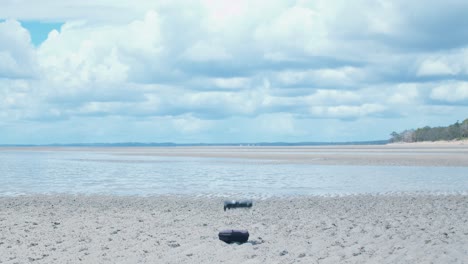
{"x": 237, "y": 204}
{"x": 234, "y": 236}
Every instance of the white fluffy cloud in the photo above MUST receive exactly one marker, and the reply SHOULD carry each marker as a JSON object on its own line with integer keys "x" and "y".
{"x": 452, "y": 63}
{"x": 297, "y": 28}
{"x": 82, "y": 53}
{"x": 339, "y": 77}
{"x": 405, "y": 94}
{"x": 347, "y": 111}
{"x": 452, "y": 92}
{"x": 192, "y": 70}
{"x": 17, "y": 55}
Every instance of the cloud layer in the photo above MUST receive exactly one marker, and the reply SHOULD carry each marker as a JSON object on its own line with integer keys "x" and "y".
{"x": 220, "y": 71}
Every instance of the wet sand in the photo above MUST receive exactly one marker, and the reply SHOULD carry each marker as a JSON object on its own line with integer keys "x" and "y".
{"x": 454, "y": 153}
{"x": 170, "y": 229}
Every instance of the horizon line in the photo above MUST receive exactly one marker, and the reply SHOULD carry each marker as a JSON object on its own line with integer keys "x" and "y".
{"x": 172, "y": 144}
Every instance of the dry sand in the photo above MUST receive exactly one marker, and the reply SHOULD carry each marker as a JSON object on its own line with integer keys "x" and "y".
{"x": 170, "y": 229}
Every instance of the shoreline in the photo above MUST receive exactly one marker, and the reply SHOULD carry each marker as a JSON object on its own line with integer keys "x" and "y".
{"x": 439, "y": 143}
{"x": 244, "y": 145}
{"x": 230, "y": 196}
{"x": 176, "y": 229}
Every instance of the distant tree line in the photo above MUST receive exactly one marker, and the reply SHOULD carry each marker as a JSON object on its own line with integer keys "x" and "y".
{"x": 451, "y": 132}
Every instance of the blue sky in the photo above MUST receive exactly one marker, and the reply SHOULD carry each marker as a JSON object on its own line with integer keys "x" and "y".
{"x": 39, "y": 30}
{"x": 229, "y": 71}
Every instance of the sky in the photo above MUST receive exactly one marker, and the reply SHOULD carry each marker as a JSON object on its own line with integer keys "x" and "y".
{"x": 218, "y": 71}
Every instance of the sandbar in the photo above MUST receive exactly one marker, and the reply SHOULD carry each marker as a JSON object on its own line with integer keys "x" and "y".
{"x": 445, "y": 154}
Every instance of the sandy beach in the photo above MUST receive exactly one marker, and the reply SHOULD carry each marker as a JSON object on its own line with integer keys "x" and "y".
{"x": 381, "y": 228}
{"x": 171, "y": 229}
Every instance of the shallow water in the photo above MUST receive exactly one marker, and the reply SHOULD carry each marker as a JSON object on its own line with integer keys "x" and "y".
{"x": 76, "y": 172}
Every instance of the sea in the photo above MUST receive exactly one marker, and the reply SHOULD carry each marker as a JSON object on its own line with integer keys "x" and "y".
{"x": 106, "y": 173}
